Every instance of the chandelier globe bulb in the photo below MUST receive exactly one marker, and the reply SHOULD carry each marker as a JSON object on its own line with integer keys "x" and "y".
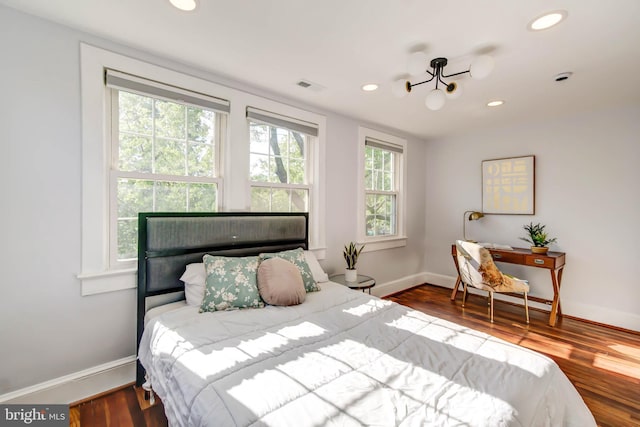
{"x": 435, "y": 100}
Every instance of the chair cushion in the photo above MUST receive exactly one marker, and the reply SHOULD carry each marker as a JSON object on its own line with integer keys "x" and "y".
{"x": 494, "y": 278}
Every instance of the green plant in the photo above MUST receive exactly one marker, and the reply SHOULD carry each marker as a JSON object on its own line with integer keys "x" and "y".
{"x": 537, "y": 235}
{"x": 351, "y": 254}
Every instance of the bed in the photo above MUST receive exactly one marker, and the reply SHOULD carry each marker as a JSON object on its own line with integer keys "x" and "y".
{"x": 341, "y": 357}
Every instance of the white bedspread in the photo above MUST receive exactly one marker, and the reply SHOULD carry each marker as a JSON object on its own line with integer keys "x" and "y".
{"x": 345, "y": 358}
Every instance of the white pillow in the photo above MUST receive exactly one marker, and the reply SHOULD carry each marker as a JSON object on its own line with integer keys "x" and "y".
{"x": 194, "y": 278}
{"x": 318, "y": 273}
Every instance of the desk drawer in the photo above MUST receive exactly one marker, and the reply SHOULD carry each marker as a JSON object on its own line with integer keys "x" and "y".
{"x": 511, "y": 257}
{"x": 539, "y": 261}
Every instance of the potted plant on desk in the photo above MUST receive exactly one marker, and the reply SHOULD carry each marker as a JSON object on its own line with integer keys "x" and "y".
{"x": 351, "y": 254}
{"x": 537, "y": 238}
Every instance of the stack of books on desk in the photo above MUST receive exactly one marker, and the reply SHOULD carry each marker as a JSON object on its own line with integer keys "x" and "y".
{"x": 496, "y": 246}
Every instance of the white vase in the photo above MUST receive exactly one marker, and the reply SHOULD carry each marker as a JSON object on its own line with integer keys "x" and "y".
{"x": 351, "y": 275}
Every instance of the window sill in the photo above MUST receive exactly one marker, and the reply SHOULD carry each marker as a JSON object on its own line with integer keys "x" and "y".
{"x": 320, "y": 253}
{"x": 108, "y": 281}
{"x": 385, "y": 243}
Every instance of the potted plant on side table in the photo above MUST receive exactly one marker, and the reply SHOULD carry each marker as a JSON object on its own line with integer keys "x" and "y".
{"x": 351, "y": 254}
{"x": 537, "y": 238}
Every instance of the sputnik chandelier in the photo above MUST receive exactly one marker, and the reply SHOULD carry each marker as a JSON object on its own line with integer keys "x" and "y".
{"x": 480, "y": 68}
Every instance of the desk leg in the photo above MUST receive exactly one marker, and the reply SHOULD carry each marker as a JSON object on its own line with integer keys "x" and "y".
{"x": 454, "y": 254}
{"x": 455, "y": 289}
{"x": 556, "y": 278}
{"x": 559, "y": 282}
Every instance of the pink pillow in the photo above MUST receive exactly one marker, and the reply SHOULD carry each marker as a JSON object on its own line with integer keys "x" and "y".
{"x": 280, "y": 282}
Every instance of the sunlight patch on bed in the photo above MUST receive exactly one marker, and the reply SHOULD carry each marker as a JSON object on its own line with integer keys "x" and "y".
{"x": 250, "y": 392}
{"x": 351, "y": 352}
{"x": 396, "y": 375}
{"x": 215, "y": 362}
{"x": 440, "y": 332}
{"x": 264, "y": 344}
{"x": 166, "y": 340}
{"x": 461, "y": 405}
{"x": 368, "y": 307}
{"x": 302, "y": 330}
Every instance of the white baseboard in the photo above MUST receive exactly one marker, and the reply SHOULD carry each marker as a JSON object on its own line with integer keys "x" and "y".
{"x": 77, "y": 386}
{"x": 603, "y": 315}
{"x": 388, "y": 288}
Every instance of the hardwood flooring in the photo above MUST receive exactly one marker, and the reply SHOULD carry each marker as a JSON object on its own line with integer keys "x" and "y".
{"x": 602, "y": 363}
{"x": 117, "y": 409}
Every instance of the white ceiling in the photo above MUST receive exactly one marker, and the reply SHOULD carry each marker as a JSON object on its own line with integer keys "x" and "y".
{"x": 342, "y": 44}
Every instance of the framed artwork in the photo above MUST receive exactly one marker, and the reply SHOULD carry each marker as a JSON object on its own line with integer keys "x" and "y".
{"x": 508, "y": 186}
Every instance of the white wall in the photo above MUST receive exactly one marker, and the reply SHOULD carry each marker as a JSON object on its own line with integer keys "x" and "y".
{"x": 47, "y": 329}
{"x": 385, "y": 265}
{"x": 587, "y": 193}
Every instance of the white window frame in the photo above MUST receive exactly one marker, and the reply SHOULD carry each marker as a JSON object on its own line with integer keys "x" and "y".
{"x": 96, "y": 274}
{"x": 374, "y": 243}
{"x": 309, "y": 130}
{"x": 115, "y": 174}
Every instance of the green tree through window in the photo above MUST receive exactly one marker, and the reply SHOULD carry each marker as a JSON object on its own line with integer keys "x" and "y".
{"x": 380, "y": 191}
{"x": 278, "y": 169}
{"x": 164, "y": 160}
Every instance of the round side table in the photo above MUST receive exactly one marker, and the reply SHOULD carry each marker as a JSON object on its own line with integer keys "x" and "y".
{"x": 364, "y": 283}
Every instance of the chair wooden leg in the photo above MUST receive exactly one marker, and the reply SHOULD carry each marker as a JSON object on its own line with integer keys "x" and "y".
{"x": 491, "y": 305}
{"x": 464, "y": 295}
{"x": 526, "y": 307}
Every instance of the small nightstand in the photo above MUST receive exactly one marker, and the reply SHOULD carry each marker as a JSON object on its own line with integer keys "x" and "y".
{"x": 363, "y": 282}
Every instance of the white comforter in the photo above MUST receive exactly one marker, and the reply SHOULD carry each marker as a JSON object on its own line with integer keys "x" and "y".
{"x": 345, "y": 358}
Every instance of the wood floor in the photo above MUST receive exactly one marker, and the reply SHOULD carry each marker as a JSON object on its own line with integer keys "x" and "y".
{"x": 117, "y": 409}
{"x": 602, "y": 363}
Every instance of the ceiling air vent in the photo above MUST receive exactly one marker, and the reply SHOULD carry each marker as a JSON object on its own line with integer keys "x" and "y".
{"x": 306, "y": 84}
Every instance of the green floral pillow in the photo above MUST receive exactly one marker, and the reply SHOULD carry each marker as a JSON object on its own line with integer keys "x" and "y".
{"x": 297, "y": 257}
{"x": 231, "y": 283}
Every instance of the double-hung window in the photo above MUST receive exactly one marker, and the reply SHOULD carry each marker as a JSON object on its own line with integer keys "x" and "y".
{"x": 165, "y": 145}
{"x": 382, "y": 194}
{"x": 381, "y": 164}
{"x": 280, "y": 171}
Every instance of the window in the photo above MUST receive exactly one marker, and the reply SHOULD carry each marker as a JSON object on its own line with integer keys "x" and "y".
{"x": 280, "y": 166}
{"x": 381, "y": 163}
{"x": 382, "y": 177}
{"x": 164, "y": 155}
{"x": 151, "y": 146}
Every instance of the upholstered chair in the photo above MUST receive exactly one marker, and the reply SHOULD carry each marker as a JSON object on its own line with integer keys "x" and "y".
{"x": 477, "y": 269}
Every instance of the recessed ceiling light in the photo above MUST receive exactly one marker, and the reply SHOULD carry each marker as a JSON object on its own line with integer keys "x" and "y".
{"x": 548, "y": 20}
{"x": 495, "y": 103}
{"x": 186, "y": 5}
{"x": 369, "y": 87}
{"x": 563, "y": 76}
